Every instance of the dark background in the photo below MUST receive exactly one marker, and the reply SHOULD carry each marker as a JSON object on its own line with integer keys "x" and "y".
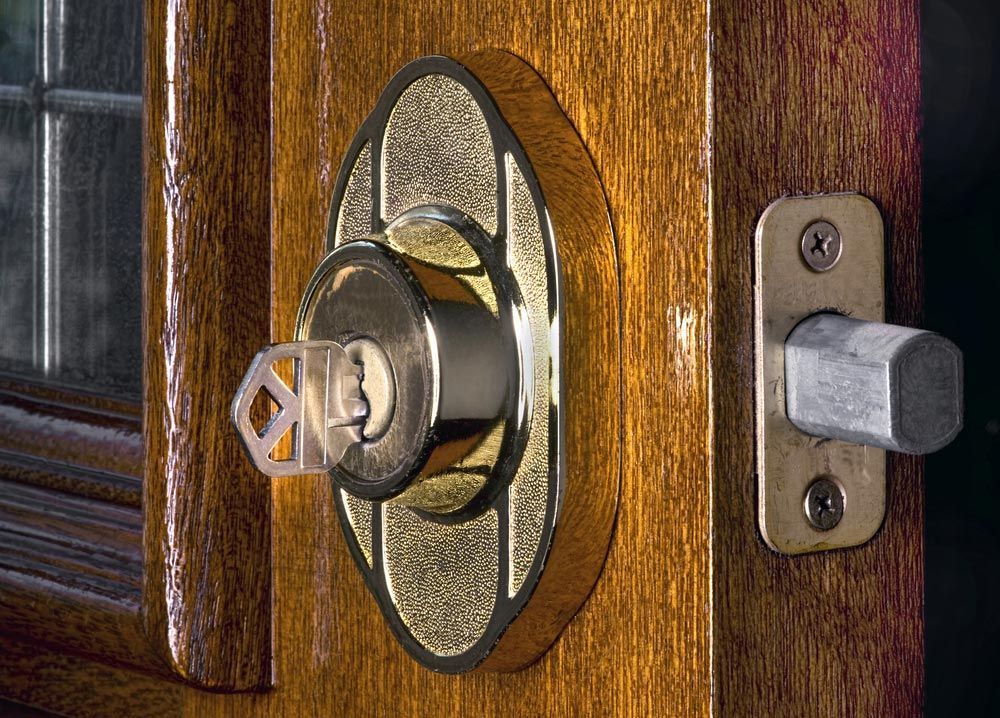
{"x": 961, "y": 90}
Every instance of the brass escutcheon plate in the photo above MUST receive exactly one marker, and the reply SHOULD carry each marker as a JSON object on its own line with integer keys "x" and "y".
{"x": 490, "y": 586}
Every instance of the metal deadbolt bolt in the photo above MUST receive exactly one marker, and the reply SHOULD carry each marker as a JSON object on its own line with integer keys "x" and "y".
{"x": 835, "y": 386}
{"x": 876, "y": 384}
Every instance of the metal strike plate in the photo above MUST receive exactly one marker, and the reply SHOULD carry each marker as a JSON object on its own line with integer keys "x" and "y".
{"x": 786, "y": 291}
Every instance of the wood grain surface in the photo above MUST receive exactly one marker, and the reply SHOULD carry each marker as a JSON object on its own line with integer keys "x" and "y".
{"x": 696, "y": 122}
{"x": 64, "y": 442}
{"x": 697, "y": 115}
{"x": 632, "y": 78}
{"x": 70, "y": 685}
{"x": 70, "y": 573}
{"x": 809, "y": 98}
{"x": 206, "y": 265}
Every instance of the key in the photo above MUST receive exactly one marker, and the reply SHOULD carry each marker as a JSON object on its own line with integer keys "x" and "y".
{"x": 324, "y": 408}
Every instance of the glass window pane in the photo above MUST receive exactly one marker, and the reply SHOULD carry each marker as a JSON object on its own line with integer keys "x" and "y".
{"x": 17, "y": 41}
{"x": 96, "y": 46}
{"x": 95, "y": 220}
{"x": 17, "y": 241}
{"x": 70, "y": 193}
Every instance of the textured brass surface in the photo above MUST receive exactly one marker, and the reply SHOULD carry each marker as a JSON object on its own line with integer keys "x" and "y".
{"x": 437, "y": 149}
{"x": 525, "y": 246}
{"x": 442, "y": 578}
{"x": 455, "y": 557}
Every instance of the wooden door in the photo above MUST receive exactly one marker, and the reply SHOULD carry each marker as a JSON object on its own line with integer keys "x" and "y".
{"x": 697, "y": 115}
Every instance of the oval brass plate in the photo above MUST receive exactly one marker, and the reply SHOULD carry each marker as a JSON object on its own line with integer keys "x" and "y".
{"x": 483, "y": 137}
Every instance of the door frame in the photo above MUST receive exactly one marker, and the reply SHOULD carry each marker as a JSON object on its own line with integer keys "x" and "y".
{"x": 139, "y": 536}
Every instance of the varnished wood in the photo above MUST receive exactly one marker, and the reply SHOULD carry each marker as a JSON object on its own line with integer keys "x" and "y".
{"x": 105, "y": 486}
{"x": 697, "y": 116}
{"x": 206, "y": 266}
{"x": 75, "y": 467}
{"x": 72, "y": 436}
{"x": 640, "y": 644}
{"x": 808, "y": 98}
{"x": 590, "y": 325}
{"x": 10, "y": 709}
{"x": 62, "y": 396}
{"x": 70, "y": 525}
{"x": 70, "y": 685}
{"x": 70, "y": 572}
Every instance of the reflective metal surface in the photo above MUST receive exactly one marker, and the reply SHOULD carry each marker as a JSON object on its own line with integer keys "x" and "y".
{"x": 821, "y": 246}
{"x": 437, "y": 313}
{"x": 437, "y": 187}
{"x": 876, "y": 384}
{"x": 787, "y": 290}
{"x": 420, "y": 293}
{"x": 824, "y": 503}
{"x": 322, "y": 409}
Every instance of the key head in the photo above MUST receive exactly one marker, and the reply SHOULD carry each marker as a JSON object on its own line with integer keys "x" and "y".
{"x": 323, "y": 409}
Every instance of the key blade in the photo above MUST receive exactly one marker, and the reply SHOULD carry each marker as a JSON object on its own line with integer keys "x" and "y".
{"x": 323, "y": 408}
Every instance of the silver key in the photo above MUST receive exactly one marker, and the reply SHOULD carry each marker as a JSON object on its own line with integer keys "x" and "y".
{"x": 324, "y": 408}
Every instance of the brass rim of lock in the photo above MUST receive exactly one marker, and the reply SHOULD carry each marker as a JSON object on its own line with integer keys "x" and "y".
{"x": 427, "y": 294}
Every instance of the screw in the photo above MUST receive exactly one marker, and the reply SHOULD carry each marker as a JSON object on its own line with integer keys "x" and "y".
{"x": 821, "y": 246}
{"x": 824, "y": 503}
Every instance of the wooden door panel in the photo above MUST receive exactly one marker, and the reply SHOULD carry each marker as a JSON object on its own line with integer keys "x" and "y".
{"x": 206, "y": 258}
{"x": 697, "y": 117}
{"x": 330, "y": 63}
{"x": 808, "y": 100}
{"x": 67, "y": 684}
